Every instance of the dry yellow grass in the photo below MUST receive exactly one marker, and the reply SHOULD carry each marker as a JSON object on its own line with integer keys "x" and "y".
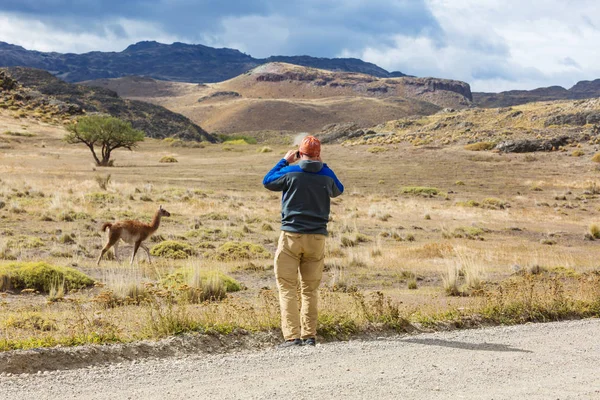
{"x": 50, "y": 192}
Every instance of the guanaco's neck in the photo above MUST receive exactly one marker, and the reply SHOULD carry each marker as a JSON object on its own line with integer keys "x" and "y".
{"x": 155, "y": 221}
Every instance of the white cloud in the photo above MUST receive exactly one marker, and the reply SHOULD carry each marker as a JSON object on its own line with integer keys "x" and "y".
{"x": 116, "y": 35}
{"x": 499, "y": 45}
{"x": 253, "y": 34}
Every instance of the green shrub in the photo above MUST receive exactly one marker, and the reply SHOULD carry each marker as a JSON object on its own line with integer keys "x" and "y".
{"x": 232, "y": 251}
{"x": 172, "y": 249}
{"x": 479, "y": 146}
{"x": 41, "y": 276}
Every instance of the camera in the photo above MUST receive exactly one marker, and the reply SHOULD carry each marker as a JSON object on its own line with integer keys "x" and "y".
{"x": 297, "y": 154}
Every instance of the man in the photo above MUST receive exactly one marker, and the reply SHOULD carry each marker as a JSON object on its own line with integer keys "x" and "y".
{"x": 307, "y": 189}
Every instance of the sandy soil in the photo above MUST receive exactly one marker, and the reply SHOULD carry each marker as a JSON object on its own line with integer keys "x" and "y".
{"x": 533, "y": 361}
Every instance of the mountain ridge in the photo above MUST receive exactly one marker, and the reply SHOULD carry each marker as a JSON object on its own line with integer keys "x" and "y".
{"x": 585, "y": 89}
{"x": 180, "y": 62}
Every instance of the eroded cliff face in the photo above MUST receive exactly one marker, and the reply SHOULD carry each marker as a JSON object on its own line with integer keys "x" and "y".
{"x": 436, "y": 84}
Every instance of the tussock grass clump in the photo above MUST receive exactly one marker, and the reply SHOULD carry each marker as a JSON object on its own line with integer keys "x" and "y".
{"x": 100, "y": 198}
{"x": 41, "y": 276}
{"x": 70, "y": 215}
{"x": 465, "y": 232}
{"x": 264, "y": 149}
{"x": 267, "y": 227}
{"x": 595, "y": 231}
{"x": 214, "y": 216}
{"x": 421, "y": 191}
{"x": 377, "y": 149}
{"x": 541, "y": 298}
{"x": 168, "y": 159}
{"x": 578, "y": 153}
{"x": 232, "y": 251}
{"x": 494, "y": 203}
{"x": 102, "y": 181}
{"x": 25, "y": 242}
{"x": 354, "y": 240}
{"x": 172, "y": 249}
{"x": 31, "y": 321}
{"x": 19, "y": 134}
{"x": 237, "y": 142}
{"x": 198, "y": 285}
{"x": 237, "y": 139}
{"x": 480, "y": 146}
{"x": 596, "y": 158}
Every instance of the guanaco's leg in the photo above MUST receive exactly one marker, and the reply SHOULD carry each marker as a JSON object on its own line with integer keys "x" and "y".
{"x": 111, "y": 242}
{"x": 143, "y": 246}
{"x": 136, "y": 246}
{"x": 115, "y": 250}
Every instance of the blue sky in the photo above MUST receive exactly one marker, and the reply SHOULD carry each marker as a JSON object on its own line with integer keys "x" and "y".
{"x": 494, "y": 45}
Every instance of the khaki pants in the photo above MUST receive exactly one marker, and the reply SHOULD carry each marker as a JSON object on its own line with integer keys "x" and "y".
{"x": 301, "y": 256}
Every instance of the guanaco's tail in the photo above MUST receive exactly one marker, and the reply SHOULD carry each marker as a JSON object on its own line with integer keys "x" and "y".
{"x": 105, "y": 225}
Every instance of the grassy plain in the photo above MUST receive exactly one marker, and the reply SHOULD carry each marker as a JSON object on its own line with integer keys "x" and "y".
{"x": 421, "y": 236}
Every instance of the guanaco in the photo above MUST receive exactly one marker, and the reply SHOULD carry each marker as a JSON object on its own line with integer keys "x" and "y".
{"x": 131, "y": 232}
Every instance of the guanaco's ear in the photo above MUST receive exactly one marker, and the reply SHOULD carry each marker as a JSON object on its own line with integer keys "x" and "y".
{"x": 160, "y": 207}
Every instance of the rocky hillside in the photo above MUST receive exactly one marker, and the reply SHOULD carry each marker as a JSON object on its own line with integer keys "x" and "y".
{"x": 582, "y": 90}
{"x": 545, "y": 125}
{"x": 176, "y": 62}
{"x": 286, "y": 97}
{"x": 37, "y": 92}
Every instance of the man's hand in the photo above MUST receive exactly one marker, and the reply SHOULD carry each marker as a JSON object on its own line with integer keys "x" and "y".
{"x": 290, "y": 156}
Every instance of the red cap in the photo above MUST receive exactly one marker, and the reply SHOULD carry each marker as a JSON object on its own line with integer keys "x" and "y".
{"x": 311, "y": 146}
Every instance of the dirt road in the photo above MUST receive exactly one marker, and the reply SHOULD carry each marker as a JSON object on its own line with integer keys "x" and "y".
{"x": 534, "y": 361}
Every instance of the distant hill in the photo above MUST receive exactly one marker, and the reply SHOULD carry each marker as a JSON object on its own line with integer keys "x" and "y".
{"x": 37, "y": 88}
{"x": 285, "y": 97}
{"x": 178, "y": 62}
{"x": 582, "y": 90}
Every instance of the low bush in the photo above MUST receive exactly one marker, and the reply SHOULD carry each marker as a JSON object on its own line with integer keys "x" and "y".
{"x": 172, "y": 249}
{"x": 41, "y": 276}
{"x": 232, "y": 251}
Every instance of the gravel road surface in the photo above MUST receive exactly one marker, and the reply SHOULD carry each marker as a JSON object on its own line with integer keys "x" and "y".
{"x": 533, "y": 361}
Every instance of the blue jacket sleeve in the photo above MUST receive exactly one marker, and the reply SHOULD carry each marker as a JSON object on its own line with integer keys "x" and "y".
{"x": 337, "y": 188}
{"x": 275, "y": 178}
